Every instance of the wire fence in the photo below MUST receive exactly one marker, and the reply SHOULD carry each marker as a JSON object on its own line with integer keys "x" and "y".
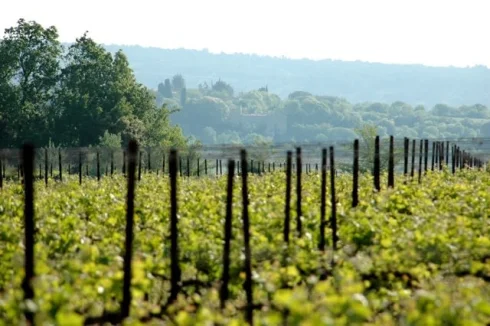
{"x": 208, "y": 160}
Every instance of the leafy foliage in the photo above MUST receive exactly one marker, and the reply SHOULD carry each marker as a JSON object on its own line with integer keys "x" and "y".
{"x": 74, "y": 95}
{"x": 414, "y": 255}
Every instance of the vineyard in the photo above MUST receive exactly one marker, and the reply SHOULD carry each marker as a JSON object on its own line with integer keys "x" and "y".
{"x": 293, "y": 241}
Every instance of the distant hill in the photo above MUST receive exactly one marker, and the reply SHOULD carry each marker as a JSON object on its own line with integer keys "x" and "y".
{"x": 355, "y": 81}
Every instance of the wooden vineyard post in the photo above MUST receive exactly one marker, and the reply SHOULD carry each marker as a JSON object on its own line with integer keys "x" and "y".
{"x": 426, "y": 154}
{"x": 220, "y": 168}
{"x": 128, "y": 247}
{"x": 441, "y": 155}
{"x": 79, "y": 168}
{"x": 124, "y": 163}
{"x": 391, "y": 164}
{"x": 1, "y": 174}
{"x": 180, "y": 166}
{"x": 453, "y": 159}
{"x": 376, "y": 172}
{"x": 433, "y": 154}
{"x": 139, "y": 165}
{"x": 287, "y": 206}
{"x": 188, "y": 167}
{"x": 458, "y": 157}
{"x": 46, "y": 167}
{"x": 299, "y": 213}
{"x": 461, "y": 160}
{"x": 217, "y": 171}
{"x": 149, "y": 160}
{"x": 98, "y": 167}
{"x": 174, "y": 232}
{"x": 112, "y": 163}
{"x": 355, "y": 174}
{"x": 333, "y": 218}
{"x": 412, "y": 172}
{"x": 198, "y": 172}
{"x": 438, "y": 155}
{"x": 205, "y": 166}
{"x": 447, "y": 153}
{"x": 163, "y": 164}
{"x": 29, "y": 228}
{"x": 405, "y": 155}
{"x": 246, "y": 238}
{"x": 420, "y": 159}
{"x": 60, "y": 165}
{"x": 323, "y": 198}
{"x": 227, "y": 232}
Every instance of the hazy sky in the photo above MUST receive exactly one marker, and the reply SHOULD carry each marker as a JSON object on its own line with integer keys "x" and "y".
{"x": 430, "y": 32}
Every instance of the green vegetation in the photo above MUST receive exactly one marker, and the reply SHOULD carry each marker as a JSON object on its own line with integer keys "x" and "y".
{"x": 414, "y": 255}
{"x": 73, "y": 96}
{"x": 215, "y": 114}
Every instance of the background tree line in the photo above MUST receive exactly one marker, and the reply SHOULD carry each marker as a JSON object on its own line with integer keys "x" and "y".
{"x": 80, "y": 95}
{"x": 215, "y": 114}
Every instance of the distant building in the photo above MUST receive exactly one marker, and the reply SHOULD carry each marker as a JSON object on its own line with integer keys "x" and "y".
{"x": 274, "y": 124}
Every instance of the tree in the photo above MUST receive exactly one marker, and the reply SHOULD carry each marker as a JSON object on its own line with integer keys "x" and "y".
{"x": 178, "y": 83}
{"x": 110, "y": 140}
{"x": 183, "y": 97}
{"x": 159, "y": 132}
{"x": 88, "y": 98}
{"x": 161, "y": 88}
{"x": 94, "y": 98}
{"x": 99, "y": 93}
{"x": 29, "y": 70}
{"x": 167, "y": 89}
{"x": 222, "y": 89}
